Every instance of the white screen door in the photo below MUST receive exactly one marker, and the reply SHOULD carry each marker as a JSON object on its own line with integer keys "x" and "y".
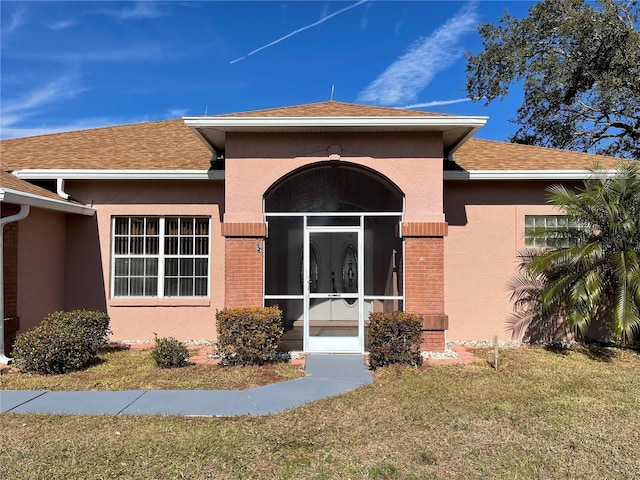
{"x": 333, "y": 289}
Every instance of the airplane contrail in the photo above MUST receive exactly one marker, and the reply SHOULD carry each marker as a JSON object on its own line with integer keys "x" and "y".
{"x": 437, "y": 103}
{"x": 302, "y": 29}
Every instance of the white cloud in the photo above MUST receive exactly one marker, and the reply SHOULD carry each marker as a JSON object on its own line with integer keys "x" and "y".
{"x": 364, "y": 21}
{"x": 437, "y": 103}
{"x": 150, "y": 52}
{"x": 300, "y": 30}
{"x": 16, "y": 111}
{"x": 176, "y": 112}
{"x": 139, "y": 11}
{"x": 415, "y": 69}
{"x": 62, "y": 24}
{"x": 18, "y": 18}
{"x": 62, "y": 88}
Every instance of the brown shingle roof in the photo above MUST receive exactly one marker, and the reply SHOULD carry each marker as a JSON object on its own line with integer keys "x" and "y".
{"x": 14, "y": 183}
{"x": 334, "y": 109}
{"x": 170, "y": 144}
{"x": 477, "y": 154}
{"x": 162, "y": 145}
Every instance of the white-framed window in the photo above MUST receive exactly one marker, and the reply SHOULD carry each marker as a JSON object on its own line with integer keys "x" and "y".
{"x": 532, "y": 222}
{"x": 160, "y": 256}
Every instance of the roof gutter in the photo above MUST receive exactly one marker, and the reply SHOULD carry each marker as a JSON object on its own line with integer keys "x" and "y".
{"x": 22, "y": 214}
{"x": 332, "y": 122}
{"x": 94, "y": 174}
{"x": 10, "y": 195}
{"x": 522, "y": 174}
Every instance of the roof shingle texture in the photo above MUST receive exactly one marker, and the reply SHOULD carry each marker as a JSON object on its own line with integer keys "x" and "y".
{"x": 165, "y": 145}
{"x": 171, "y": 145}
{"x": 477, "y": 154}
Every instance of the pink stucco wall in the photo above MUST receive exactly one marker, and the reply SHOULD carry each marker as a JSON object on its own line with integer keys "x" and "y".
{"x": 486, "y": 231}
{"x": 255, "y": 161}
{"x": 41, "y": 266}
{"x": 90, "y": 245}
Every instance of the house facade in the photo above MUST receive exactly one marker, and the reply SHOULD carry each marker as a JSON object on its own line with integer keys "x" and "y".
{"x": 329, "y": 210}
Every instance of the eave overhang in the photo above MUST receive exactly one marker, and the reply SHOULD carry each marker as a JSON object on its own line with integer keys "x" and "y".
{"x": 455, "y": 129}
{"x": 9, "y": 195}
{"x": 92, "y": 174}
{"x": 550, "y": 175}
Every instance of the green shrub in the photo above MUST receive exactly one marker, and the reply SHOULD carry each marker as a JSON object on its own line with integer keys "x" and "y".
{"x": 249, "y": 336}
{"x": 394, "y": 338}
{"x": 170, "y": 353}
{"x": 94, "y": 326}
{"x": 63, "y": 342}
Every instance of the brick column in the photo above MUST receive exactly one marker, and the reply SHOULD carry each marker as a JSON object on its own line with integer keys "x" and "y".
{"x": 10, "y": 276}
{"x": 244, "y": 247}
{"x": 424, "y": 279}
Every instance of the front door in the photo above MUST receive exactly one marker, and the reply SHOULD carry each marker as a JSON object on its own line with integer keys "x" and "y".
{"x": 333, "y": 285}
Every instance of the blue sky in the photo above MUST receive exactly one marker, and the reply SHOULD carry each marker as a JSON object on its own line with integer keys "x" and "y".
{"x": 76, "y": 65}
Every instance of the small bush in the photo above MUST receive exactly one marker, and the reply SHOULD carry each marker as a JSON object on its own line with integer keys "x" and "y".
{"x": 63, "y": 342}
{"x": 94, "y": 326}
{"x": 249, "y": 336}
{"x": 394, "y": 338}
{"x": 170, "y": 353}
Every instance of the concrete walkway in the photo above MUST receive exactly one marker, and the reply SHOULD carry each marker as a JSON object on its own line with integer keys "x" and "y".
{"x": 326, "y": 376}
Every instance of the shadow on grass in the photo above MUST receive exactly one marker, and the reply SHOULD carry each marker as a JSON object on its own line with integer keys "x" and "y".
{"x": 599, "y": 352}
{"x": 114, "y": 347}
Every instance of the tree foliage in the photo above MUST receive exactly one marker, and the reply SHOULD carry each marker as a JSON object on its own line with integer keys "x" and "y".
{"x": 596, "y": 276}
{"x": 579, "y": 65}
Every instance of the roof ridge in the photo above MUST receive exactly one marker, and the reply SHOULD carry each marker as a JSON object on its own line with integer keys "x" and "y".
{"x": 314, "y": 109}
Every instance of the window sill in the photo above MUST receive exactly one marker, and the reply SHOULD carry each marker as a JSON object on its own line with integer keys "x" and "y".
{"x": 160, "y": 302}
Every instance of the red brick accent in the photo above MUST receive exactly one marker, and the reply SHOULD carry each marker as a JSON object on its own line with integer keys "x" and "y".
{"x": 435, "y": 322}
{"x": 424, "y": 286}
{"x": 244, "y": 229}
{"x": 432, "y": 341}
{"x": 424, "y": 275}
{"x": 243, "y": 272}
{"x": 10, "y": 276}
{"x": 425, "y": 229}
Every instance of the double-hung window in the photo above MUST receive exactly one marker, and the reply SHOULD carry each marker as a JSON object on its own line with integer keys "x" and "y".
{"x": 160, "y": 256}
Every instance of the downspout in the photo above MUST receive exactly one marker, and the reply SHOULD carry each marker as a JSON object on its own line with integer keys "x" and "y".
{"x": 24, "y": 211}
{"x": 60, "y": 189}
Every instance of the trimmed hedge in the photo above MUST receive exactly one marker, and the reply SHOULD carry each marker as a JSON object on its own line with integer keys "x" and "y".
{"x": 249, "y": 336}
{"x": 394, "y": 338}
{"x": 63, "y": 342}
{"x": 170, "y": 353}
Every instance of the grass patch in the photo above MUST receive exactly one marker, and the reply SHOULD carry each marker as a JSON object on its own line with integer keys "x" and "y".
{"x": 543, "y": 415}
{"x": 124, "y": 369}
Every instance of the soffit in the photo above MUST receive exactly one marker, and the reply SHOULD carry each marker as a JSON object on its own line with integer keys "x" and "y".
{"x": 334, "y": 117}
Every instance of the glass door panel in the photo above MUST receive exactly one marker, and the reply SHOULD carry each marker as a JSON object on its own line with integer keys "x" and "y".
{"x": 333, "y": 293}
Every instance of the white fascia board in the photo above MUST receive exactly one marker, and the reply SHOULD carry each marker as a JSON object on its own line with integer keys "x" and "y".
{"x": 90, "y": 174}
{"x": 522, "y": 174}
{"x": 329, "y": 122}
{"x": 10, "y": 195}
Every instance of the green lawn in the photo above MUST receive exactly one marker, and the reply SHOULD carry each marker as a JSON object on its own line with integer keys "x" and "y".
{"x": 123, "y": 369}
{"x": 544, "y": 415}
